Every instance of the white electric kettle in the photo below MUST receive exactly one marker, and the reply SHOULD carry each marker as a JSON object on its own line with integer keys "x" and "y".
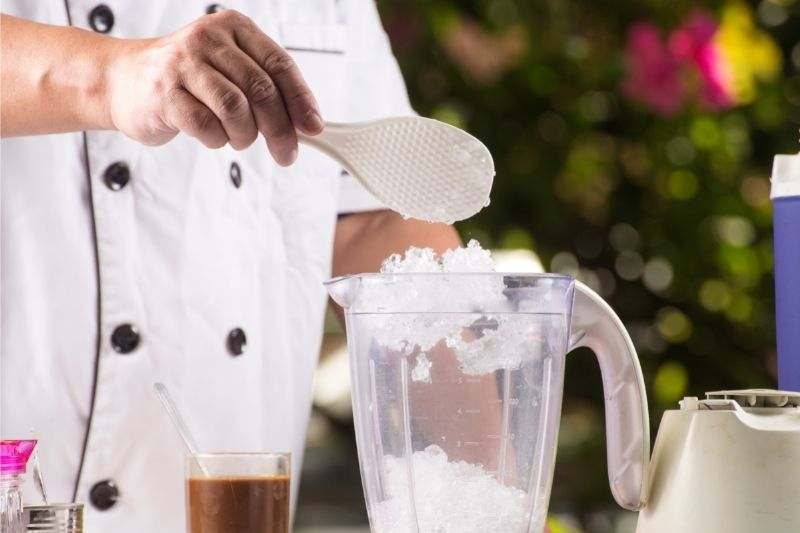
{"x": 729, "y": 463}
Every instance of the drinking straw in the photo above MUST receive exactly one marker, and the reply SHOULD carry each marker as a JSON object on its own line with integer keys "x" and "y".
{"x": 179, "y": 423}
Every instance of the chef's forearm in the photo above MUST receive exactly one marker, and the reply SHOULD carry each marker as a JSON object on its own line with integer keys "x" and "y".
{"x": 53, "y": 78}
{"x": 364, "y": 240}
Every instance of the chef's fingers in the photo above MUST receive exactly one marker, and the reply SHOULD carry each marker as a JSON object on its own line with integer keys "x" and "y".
{"x": 185, "y": 113}
{"x": 225, "y": 100}
{"x": 265, "y": 100}
{"x": 280, "y": 66}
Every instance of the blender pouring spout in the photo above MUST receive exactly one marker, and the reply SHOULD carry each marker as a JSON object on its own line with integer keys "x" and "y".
{"x": 342, "y": 290}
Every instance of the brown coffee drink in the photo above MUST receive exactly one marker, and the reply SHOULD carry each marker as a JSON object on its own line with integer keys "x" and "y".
{"x": 240, "y": 504}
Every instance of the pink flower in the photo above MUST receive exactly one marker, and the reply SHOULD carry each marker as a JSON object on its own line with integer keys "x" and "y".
{"x": 690, "y": 65}
{"x": 652, "y": 72}
{"x": 693, "y": 44}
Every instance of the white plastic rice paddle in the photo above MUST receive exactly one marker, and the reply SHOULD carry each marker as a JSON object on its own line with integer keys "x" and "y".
{"x": 419, "y": 167}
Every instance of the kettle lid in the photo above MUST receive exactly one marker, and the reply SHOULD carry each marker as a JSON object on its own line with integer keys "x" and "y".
{"x": 749, "y": 398}
{"x": 758, "y": 397}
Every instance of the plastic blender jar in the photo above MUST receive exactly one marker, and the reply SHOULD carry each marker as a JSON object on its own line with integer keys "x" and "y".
{"x": 785, "y": 196}
{"x": 457, "y": 384}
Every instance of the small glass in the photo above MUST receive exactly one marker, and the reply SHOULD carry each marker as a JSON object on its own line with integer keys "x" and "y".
{"x": 11, "y": 503}
{"x": 238, "y": 492}
{"x": 14, "y": 456}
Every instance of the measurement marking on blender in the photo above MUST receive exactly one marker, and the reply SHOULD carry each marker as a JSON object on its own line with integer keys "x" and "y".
{"x": 506, "y": 410}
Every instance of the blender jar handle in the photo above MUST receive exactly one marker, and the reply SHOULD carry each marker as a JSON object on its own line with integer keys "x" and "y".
{"x": 597, "y": 327}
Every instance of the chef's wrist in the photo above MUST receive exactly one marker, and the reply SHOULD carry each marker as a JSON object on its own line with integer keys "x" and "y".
{"x": 81, "y": 79}
{"x": 103, "y": 68}
{"x": 98, "y": 90}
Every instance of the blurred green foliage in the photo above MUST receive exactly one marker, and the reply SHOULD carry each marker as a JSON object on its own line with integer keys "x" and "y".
{"x": 668, "y": 217}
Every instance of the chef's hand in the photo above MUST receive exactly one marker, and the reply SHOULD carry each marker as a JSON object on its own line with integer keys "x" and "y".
{"x": 219, "y": 79}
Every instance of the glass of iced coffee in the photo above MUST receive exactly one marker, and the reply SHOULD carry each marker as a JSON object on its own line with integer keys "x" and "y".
{"x": 238, "y": 492}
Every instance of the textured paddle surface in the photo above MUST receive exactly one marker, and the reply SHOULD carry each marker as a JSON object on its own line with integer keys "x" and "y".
{"x": 421, "y": 168}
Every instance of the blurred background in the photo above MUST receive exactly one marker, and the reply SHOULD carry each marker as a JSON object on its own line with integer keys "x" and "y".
{"x": 633, "y": 142}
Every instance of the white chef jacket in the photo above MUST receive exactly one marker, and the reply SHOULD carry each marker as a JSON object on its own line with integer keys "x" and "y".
{"x": 123, "y": 265}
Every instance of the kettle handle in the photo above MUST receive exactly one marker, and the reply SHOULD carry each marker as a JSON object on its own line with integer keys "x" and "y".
{"x": 596, "y": 326}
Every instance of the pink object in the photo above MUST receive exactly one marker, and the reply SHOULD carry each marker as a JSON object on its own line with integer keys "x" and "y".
{"x": 693, "y": 43}
{"x": 14, "y": 455}
{"x": 656, "y": 70}
{"x": 653, "y": 76}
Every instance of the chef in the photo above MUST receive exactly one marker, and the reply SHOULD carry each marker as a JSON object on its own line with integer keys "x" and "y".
{"x": 161, "y": 223}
